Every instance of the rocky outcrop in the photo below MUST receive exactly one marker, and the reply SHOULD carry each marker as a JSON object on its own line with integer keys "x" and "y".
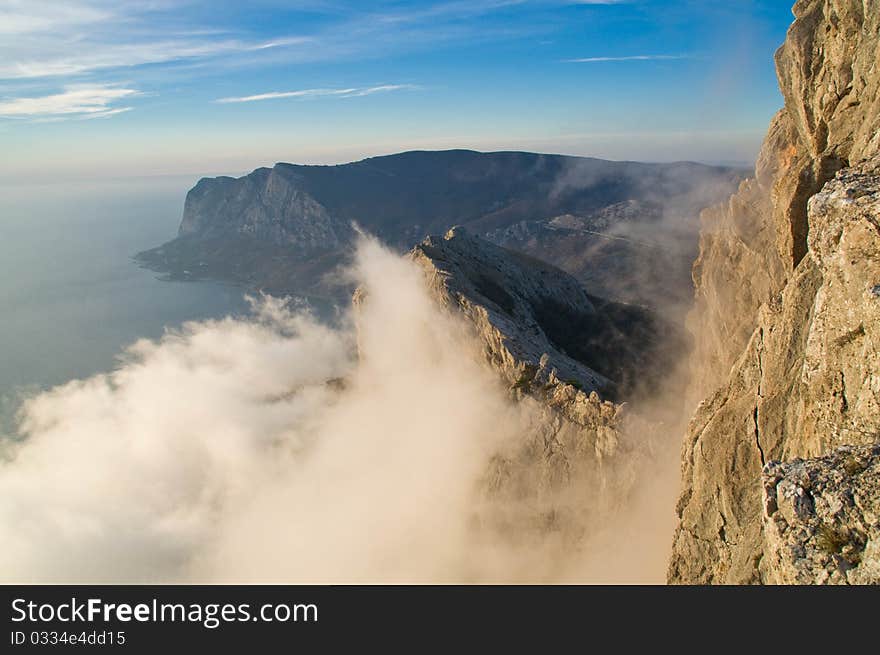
{"x": 787, "y": 315}
{"x": 822, "y": 518}
{"x": 501, "y": 294}
{"x": 539, "y": 326}
{"x": 268, "y": 206}
{"x": 807, "y": 381}
{"x": 828, "y": 74}
{"x": 568, "y": 359}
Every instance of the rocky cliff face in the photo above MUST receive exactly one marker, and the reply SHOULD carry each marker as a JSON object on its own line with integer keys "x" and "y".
{"x": 821, "y": 518}
{"x": 786, "y": 315}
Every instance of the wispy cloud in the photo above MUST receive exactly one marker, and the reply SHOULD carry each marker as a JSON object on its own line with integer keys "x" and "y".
{"x": 23, "y": 17}
{"x": 74, "y": 102}
{"x": 596, "y": 60}
{"x": 353, "y": 92}
{"x": 73, "y": 38}
{"x": 105, "y": 114}
{"x": 128, "y": 55}
{"x": 82, "y": 45}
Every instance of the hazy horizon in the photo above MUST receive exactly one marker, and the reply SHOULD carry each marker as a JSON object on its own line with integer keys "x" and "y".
{"x": 90, "y": 87}
{"x": 190, "y": 178}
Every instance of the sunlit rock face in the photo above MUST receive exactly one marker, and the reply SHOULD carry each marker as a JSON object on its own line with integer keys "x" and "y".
{"x": 786, "y": 314}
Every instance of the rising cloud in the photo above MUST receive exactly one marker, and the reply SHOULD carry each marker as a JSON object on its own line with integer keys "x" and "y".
{"x": 276, "y": 448}
{"x": 256, "y": 468}
{"x": 353, "y": 92}
{"x": 74, "y": 102}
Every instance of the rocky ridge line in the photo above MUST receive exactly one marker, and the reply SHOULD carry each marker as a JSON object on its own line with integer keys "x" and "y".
{"x": 578, "y": 458}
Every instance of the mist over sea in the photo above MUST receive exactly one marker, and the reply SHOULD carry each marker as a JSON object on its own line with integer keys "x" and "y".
{"x": 71, "y": 296}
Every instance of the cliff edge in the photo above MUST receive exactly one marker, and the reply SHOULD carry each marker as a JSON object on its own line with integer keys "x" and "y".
{"x": 787, "y": 314}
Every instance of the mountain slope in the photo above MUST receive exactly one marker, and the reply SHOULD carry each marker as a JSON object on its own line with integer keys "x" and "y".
{"x": 283, "y": 228}
{"x": 535, "y": 318}
{"x": 580, "y": 454}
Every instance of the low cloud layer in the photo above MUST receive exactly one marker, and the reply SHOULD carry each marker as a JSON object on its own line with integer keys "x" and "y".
{"x": 222, "y": 453}
{"x": 276, "y": 448}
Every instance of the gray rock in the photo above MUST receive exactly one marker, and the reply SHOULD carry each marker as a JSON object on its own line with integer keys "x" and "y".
{"x": 822, "y": 518}
{"x": 267, "y": 206}
{"x": 537, "y": 323}
{"x": 578, "y": 460}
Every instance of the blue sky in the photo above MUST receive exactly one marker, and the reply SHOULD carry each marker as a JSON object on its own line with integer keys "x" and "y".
{"x": 91, "y": 87}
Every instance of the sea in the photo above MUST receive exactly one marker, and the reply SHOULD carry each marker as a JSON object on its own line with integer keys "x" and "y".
{"x": 71, "y": 295}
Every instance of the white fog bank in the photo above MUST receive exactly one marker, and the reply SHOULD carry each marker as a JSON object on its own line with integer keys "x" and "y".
{"x": 274, "y": 448}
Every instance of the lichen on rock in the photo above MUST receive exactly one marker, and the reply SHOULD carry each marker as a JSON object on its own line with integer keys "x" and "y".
{"x": 822, "y": 518}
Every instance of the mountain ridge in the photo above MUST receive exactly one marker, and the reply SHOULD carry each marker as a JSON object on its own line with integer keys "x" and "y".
{"x": 294, "y": 215}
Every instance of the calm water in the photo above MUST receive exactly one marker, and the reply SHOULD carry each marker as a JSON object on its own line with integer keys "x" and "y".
{"x": 70, "y": 295}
